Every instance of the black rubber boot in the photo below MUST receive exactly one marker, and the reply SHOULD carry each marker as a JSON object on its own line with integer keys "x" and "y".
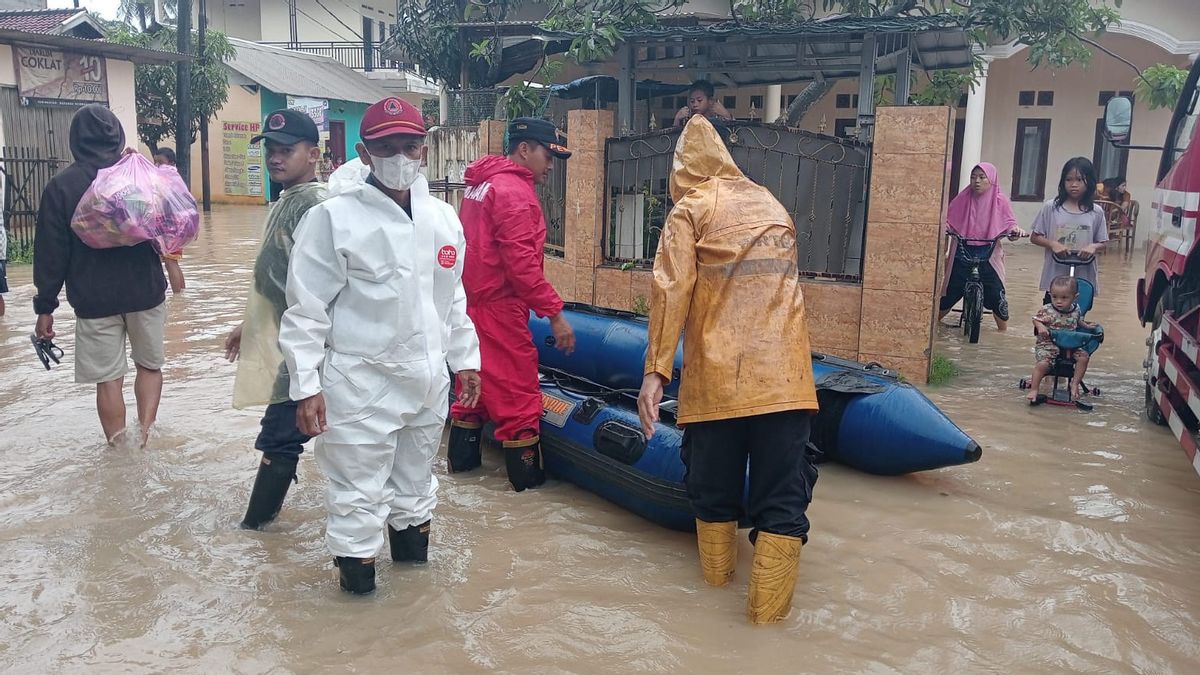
{"x": 356, "y": 575}
{"x": 275, "y": 476}
{"x": 523, "y": 459}
{"x": 410, "y": 544}
{"x": 462, "y": 451}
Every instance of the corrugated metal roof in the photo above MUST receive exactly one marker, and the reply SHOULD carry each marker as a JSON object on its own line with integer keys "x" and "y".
{"x": 300, "y": 74}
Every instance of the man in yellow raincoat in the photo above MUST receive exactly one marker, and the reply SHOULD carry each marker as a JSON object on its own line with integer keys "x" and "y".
{"x": 725, "y": 274}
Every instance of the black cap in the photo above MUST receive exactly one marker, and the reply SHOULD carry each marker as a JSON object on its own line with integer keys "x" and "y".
{"x": 538, "y": 131}
{"x": 288, "y": 127}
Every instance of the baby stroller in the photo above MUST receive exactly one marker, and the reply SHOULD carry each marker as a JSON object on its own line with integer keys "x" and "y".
{"x": 1068, "y": 341}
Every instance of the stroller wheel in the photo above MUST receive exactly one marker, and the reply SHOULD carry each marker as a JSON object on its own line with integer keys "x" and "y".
{"x": 1095, "y": 391}
{"x": 1023, "y": 384}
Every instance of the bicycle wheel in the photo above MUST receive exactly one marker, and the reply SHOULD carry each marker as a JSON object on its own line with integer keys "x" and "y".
{"x": 972, "y": 312}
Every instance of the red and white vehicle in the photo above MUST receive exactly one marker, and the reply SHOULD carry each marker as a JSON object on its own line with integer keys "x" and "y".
{"x": 1168, "y": 296}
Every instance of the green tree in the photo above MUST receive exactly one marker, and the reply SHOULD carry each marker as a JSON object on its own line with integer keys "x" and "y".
{"x": 1160, "y": 85}
{"x": 154, "y": 85}
{"x": 426, "y": 33}
{"x": 141, "y": 13}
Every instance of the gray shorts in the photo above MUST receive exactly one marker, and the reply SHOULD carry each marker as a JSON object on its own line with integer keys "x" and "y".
{"x": 100, "y": 344}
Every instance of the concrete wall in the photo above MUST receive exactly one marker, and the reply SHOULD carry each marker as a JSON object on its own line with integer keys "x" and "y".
{"x": 315, "y": 24}
{"x": 242, "y": 106}
{"x": 121, "y": 98}
{"x": 888, "y": 318}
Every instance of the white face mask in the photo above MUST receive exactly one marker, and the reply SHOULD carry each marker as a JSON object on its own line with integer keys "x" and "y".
{"x": 396, "y": 172}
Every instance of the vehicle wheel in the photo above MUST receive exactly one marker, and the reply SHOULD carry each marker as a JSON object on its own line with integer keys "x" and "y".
{"x": 1153, "y": 412}
{"x": 1178, "y": 298}
{"x": 974, "y": 318}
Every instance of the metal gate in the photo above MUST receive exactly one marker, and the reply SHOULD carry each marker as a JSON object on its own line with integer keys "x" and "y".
{"x": 820, "y": 180}
{"x": 40, "y": 144}
{"x": 47, "y": 129}
{"x": 26, "y": 173}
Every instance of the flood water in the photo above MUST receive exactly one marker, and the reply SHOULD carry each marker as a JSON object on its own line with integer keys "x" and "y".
{"x": 1071, "y": 546}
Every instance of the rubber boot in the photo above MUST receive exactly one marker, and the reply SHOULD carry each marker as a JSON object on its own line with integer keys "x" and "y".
{"x": 773, "y": 577}
{"x": 410, "y": 544}
{"x": 275, "y": 476}
{"x": 523, "y": 459}
{"x": 462, "y": 451}
{"x": 718, "y": 551}
{"x": 356, "y": 575}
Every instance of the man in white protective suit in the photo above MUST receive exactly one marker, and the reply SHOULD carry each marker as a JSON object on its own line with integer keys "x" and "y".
{"x": 376, "y": 311}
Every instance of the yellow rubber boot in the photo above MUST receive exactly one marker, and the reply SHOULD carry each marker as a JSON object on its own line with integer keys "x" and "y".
{"x": 773, "y": 577}
{"x": 718, "y": 551}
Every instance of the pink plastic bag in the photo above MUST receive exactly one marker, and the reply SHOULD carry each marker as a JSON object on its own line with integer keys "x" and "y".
{"x": 134, "y": 201}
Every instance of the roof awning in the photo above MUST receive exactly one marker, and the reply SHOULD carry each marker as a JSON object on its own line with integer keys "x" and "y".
{"x": 741, "y": 54}
{"x": 604, "y": 88}
{"x": 98, "y": 47}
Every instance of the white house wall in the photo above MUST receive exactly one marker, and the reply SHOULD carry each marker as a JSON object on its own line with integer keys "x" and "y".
{"x": 1073, "y": 115}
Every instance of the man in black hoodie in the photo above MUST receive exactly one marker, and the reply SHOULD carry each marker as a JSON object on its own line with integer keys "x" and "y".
{"x": 116, "y": 292}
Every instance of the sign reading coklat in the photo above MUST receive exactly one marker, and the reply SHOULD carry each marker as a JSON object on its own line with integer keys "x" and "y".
{"x": 56, "y": 78}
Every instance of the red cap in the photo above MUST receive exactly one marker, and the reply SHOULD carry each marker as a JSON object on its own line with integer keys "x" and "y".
{"x": 389, "y": 117}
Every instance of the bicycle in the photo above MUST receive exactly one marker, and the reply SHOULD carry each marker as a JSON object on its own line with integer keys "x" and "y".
{"x": 973, "y": 253}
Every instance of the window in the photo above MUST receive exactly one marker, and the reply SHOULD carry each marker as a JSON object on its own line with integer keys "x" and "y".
{"x": 681, "y": 101}
{"x": 1110, "y": 161}
{"x": 1026, "y": 98}
{"x": 382, "y": 29}
{"x": 667, "y": 102}
{"x": 791, "y": 99}
{"x": 1105, "y": 97}
{"x": 1029, "y": 160}
{"x": 730, "y": 102}
{"x": 962, "y": 101}
{"x": 756, "y": 102}
{"x": 845, "y": 127}
{"x": 1186, "y": 127}
{"x": 1045, "y": 98}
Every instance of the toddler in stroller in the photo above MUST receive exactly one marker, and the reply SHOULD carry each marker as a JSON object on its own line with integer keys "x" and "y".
{"x": 1065, "y": 341}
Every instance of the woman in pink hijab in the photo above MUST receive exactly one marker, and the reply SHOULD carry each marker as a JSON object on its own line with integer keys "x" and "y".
{"x": 980, "y": 213}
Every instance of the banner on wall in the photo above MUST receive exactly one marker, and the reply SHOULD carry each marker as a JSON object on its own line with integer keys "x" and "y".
{"x": 55, "y": 78}
{"x": 315, "y": 108}
{"x": 243, "y": 160}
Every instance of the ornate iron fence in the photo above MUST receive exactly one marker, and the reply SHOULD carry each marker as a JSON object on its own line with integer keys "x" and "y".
{"x": 354, "y": 55}
{"x": 553, "y": 195}
{"x": 820, "y": 180}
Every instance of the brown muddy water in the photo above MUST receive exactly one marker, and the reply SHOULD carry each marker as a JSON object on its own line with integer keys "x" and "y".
{"x": 1071, "y": 546}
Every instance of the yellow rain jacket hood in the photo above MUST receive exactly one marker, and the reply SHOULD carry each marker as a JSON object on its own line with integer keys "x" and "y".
{"x": 725, "y": 274}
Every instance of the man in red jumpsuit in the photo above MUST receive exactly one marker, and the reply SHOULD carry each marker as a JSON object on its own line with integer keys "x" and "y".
{"x": 504, "y": 280}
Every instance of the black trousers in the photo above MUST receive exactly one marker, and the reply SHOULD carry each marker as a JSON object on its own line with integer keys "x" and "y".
{"x": 782, "y": 473}
{"x": 994, "y": 297}
{"x": 279, "y": 436}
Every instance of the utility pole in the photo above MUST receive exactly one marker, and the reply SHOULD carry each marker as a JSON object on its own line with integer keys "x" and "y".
{"x": 368, "y": 44}
{"x": 205, "y": 179}
{"x": 183, "y": 92}
{"x": 293, "y": 36}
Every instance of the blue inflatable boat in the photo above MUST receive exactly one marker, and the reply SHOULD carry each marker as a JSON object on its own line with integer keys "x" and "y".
{"x": 591, "y": 436}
